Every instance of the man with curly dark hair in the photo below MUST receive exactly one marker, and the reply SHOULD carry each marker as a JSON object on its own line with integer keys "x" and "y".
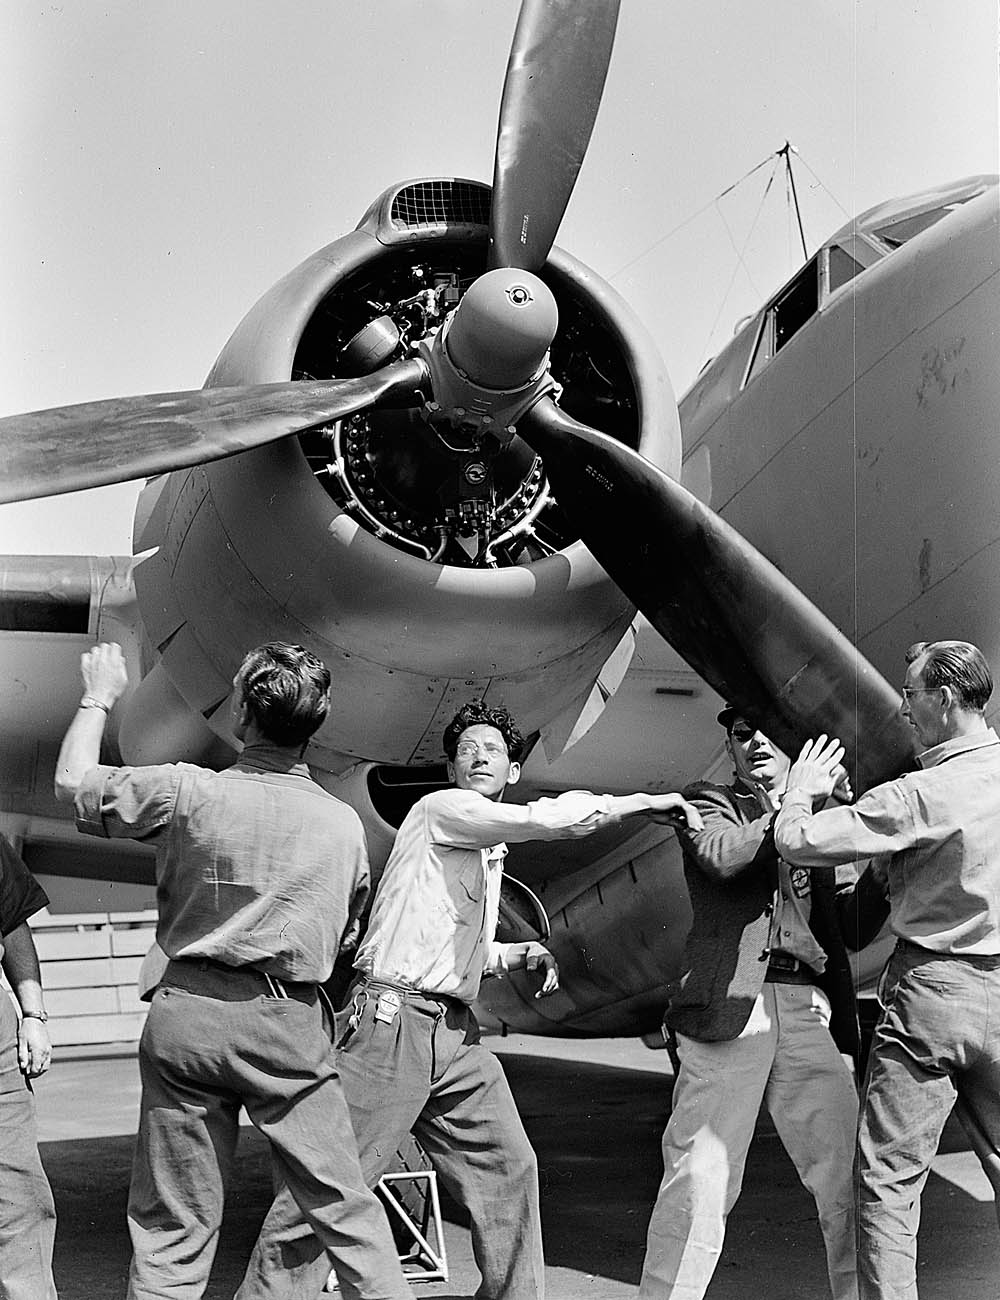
{"x": 479, "y": 713}
{"x": 409, "y": 1050}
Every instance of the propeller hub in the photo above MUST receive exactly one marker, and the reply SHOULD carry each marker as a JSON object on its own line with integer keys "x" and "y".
{"x": 500, "y": 334}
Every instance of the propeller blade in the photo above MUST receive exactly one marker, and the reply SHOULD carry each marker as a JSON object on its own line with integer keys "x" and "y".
{"x": 43, "y": 453}
{"x": 555, "y": 77}
{"x": 740, "y": 624}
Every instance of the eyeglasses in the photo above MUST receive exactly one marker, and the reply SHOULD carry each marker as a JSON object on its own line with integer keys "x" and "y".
{"x": 469, "y": 748}
{"x": 743, "y": 734}
{"x": 907, "y": 691}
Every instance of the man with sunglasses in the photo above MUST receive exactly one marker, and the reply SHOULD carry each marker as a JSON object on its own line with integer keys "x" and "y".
{"x": 762, "y": 1011}
{"x": 935, "y": 834}
{"x": 409, "y": 1051}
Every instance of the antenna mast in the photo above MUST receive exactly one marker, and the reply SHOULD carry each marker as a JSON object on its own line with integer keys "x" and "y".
{"x": 786, "y": 151}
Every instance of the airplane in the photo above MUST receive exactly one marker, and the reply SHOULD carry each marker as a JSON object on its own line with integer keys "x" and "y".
{"x": 445, "y": 455}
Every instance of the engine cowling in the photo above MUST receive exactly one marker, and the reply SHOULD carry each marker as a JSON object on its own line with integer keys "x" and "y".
{"x": 371, "y": 541}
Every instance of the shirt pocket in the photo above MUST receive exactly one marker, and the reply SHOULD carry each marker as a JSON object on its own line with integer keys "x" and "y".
{"x": 462, "y": 900}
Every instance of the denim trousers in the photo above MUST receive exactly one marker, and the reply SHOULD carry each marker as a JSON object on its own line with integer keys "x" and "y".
{"x": 938, "y": 1039}
{"x": 786, "y": 1058}
{"x": 424, "y": 1071}
{"x": 216, "y": 1040}
{"x": 27, "y": 1213}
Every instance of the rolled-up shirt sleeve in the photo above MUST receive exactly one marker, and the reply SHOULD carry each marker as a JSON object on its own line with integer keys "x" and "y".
{"x": 126, "y": 802}
{"x": 21, "y": 895}
{"x": 467, "y": 819}
{"x": 496, "y": 962}
{"x": 880, "y": 823}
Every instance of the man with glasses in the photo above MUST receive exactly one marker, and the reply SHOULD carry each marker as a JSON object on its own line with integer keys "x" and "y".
{"x": 935, "y": 834}
{"x": 762, "y": 1010}
{"x": 409, "y": 1050}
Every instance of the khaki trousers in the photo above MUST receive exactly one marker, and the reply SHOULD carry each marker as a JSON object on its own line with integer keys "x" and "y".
{"x": 215, "y": 1040}
{"x": 27, "y": 1214}
{"x": 938, "y": 1038}
{"x": 786, "y": 1058}
{"x": 423, "y": 1070}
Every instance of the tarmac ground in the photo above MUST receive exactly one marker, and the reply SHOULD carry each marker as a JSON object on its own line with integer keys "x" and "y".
{"x": 594, "y": 1111}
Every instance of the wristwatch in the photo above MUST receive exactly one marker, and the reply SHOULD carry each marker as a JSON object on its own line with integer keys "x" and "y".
{"x": 43, "y": 1016}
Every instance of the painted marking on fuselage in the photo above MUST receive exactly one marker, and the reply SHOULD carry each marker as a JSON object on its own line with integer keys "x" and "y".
{"x": 940, "y": 372}
{"x": 924, "y": 565}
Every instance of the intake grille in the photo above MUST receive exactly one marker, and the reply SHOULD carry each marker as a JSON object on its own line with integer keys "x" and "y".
{"x": 440, "y": 204}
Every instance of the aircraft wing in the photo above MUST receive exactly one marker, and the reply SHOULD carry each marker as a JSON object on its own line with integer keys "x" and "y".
{"x": 52, "y": 609}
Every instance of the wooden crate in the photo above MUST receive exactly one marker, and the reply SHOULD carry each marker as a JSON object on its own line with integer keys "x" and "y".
{"x": 90, "y": 962}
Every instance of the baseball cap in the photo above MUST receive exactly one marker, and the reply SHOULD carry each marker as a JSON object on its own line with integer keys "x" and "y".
{"x": 728, "y": 715}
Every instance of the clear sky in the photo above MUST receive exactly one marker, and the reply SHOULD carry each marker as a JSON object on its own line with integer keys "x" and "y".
{"x": 166, "y": 163}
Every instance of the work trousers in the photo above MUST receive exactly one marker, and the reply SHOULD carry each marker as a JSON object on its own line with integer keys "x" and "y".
{"x": 786, "y": 1057}
{"x": 424, "y": 1070}
{"x": 938, "y": 1037}
{"x": 216, "y": 1040}
{"x": 27, "y": 1213}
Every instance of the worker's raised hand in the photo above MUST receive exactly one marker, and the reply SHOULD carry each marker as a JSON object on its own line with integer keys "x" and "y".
{"x": 105, "y": 676}
{"x": 819, "y": 768}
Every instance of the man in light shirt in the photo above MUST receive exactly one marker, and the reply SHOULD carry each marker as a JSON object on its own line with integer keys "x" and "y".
{"x": 410, "y": 1056}
{"x": 935, "y": 833}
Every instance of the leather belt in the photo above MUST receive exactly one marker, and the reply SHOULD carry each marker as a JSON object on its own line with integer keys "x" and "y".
{"x": 775, "y": 975}
{"x": 217, "y": 979}
{"x": 405, "y": 992}
{"x": 783, "y": 968}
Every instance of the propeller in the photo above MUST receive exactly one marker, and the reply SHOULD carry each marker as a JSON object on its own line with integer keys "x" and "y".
{"x": 66, "y": 448}
{"x": 740, "y": 624}
{"x": 555, "y": 77}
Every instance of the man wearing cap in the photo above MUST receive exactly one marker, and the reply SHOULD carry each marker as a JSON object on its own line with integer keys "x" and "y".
{"x": 762, "y": 1010}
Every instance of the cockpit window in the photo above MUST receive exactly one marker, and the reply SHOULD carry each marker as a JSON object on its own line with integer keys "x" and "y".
{"x": 858, "y": 246}
{"x": 841, "y": 267}
{"x": 896, "y": 233}
{"x": 797, "y": 303}
{"x": 800, "y": 300}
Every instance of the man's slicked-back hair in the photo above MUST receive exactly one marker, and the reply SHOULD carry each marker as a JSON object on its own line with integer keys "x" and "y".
{"x": 478, "y": 713}
{"x": 958, "y": 664}
{"x": 287, "y": 690}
